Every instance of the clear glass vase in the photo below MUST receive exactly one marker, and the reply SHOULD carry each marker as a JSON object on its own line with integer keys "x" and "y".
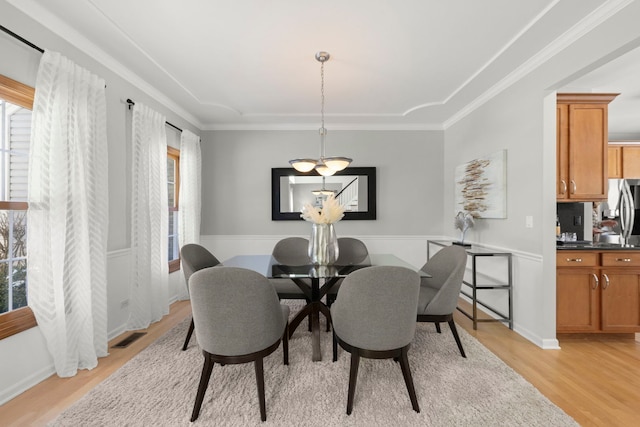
{"x": 323, "y": 244}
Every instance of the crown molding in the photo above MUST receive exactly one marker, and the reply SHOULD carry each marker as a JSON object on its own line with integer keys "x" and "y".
{"x": 591, "y": 21}
{"x": 60, "y": 28}
{"x": 337, "y": 127}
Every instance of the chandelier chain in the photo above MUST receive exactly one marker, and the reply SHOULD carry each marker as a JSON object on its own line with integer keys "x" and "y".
{"x": 325, "y": 166}
{"x": 322, "y": 95}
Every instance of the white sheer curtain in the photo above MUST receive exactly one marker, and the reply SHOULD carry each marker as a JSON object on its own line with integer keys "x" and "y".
{"x": 149, "y": 219}
{"x": 190, "y": 195}
{"x": 68, "y": 213}
{"x": 190, "y": 188}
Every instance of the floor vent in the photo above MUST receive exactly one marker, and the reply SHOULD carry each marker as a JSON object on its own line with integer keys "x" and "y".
{"x": 128, "y": 340}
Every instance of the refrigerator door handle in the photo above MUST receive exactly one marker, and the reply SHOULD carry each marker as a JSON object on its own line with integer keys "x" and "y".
{"x": 627, "y": 211}
{"x": 632, "y": 214}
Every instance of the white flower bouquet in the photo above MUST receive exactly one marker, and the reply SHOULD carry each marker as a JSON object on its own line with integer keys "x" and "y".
{"x": 331, "y": 212}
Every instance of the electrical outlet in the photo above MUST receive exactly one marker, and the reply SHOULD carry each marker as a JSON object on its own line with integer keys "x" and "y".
{"x": 528, "y": 221}
{"x": 124, "y": 304}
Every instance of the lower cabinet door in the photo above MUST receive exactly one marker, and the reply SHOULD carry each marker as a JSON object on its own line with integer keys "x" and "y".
{"x": 620, "y": 301}
{"x": 577, "y": 300}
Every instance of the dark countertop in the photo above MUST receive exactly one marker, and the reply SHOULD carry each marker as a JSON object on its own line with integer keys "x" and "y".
{"x": 594, "y": 246}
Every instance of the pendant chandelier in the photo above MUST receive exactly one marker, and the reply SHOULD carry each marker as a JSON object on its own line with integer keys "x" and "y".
{"x": 323, "y": 191}
{"x": 325, "y": 166}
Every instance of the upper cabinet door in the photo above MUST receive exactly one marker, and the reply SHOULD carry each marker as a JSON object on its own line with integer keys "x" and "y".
{"x": 615, "y": 161}
{"x": 588, "y": 151}
{"x": 631, "y": 161}
{"x": 562, "y": 151}
{"x": 582, "y": 131}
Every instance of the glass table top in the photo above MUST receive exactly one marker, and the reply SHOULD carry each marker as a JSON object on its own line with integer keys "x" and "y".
{"x": 269, "y": 267}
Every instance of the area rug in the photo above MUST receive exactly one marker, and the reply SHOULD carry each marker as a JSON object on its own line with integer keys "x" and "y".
{"x": 158, "y": 387}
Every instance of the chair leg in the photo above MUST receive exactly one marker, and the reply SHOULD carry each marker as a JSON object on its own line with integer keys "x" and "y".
{"x": 353, "y": 376}
{"x": 438, "y": 327}
{"x": 454, "y": 331}
{"x": 189, "y": 332}
{"x": 330, "y": 300}
{"x": 202, "y": 388}
{"x": 328, "y": 326}
{"x": 285, "y": 344}
{"x": 406, "y": 373}
{"x": 260, "y": 382}
{"x": 335, "y": 346}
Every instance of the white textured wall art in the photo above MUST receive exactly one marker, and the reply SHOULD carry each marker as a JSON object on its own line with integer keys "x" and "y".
{"x": 481, "y": 186}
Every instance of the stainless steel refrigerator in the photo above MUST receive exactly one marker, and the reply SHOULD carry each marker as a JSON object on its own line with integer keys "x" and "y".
{"x": 623, "y": 205}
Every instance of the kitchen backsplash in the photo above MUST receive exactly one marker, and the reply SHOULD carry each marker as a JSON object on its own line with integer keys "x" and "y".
{"x": 572, "y": 219}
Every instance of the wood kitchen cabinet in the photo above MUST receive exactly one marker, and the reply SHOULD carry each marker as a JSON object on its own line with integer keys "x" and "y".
{"x": 614, "y": 161}
{"x": 582, "y": 146}
{"x": 577, "y": 292}
{"x": 624, "y": 161}
{"x": 620, "y": 292}
{"x": 598, "y": 291}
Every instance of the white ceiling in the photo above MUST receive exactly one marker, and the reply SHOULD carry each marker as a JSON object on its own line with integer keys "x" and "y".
{"x": 410, "y": 64}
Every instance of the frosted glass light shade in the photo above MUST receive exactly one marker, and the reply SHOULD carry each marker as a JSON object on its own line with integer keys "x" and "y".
{"x": 303, "y": 165}
{"x": 323, "y": 170}
{"x": 322, "y": 192}
{"x": 337, "y": 163}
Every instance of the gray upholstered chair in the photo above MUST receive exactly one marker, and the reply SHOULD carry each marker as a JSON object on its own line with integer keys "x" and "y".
{"x": 238, "y": 319}
{"x": 290, "y": 251}
{"x": 439, "y": 294}
{"x": 194, "y": 257}
{"x": 374, "y": 316}
{"x": 350, "y": 251}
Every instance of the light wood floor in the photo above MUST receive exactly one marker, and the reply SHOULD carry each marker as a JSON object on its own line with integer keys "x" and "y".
{"x": 593, "y": 378}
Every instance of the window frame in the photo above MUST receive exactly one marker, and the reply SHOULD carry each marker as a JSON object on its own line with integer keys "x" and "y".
{"x": 174, "y": 154}
{"x": 21, "y": 319}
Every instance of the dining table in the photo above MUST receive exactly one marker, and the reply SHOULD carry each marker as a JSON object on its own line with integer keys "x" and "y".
{"x": 315, "y": 281}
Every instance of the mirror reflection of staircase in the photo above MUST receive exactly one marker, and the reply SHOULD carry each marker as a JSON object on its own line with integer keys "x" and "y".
{"x": 348, "y": 196}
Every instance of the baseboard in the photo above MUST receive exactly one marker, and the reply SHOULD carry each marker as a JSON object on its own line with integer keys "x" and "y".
{"x": 28, "y": 382}
{"x": 551, "y": 344}
{"x": 543, "y": 343}
{"x": 117, "y": 332}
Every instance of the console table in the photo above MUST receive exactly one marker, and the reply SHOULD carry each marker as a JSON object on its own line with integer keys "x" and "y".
{"x": 475, "y": 254}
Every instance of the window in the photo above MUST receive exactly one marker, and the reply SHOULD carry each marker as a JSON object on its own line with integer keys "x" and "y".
{"x": 173, "y": 186}
{"x": 16, "y": 102}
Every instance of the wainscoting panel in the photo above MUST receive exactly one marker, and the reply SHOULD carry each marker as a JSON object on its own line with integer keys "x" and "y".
{"x": 118, "y": 280}
{"x": 530, "y": 300}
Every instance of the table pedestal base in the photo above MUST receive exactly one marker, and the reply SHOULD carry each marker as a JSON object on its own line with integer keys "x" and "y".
{"x": 312, "y": 309}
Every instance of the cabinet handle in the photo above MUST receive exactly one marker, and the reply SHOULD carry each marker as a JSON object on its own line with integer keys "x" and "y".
{"x": 597, "y": 281}
{"x": 574, "y": 187}
{"x": 574, "y": 259}
{"x": 564, "y": 187}
{"x": 606, "y": 281}
{"x": 623, "y": 259}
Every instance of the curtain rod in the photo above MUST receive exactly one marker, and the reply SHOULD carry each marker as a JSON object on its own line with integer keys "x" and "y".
{"x": 131, "y": 104}
{"x": 23, "y": 40}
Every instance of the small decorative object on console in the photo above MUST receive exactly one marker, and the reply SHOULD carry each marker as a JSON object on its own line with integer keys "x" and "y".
{"x": 463, "y": 221}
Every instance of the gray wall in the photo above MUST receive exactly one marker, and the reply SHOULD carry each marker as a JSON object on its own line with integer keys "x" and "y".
{"x": 236, "y": 181}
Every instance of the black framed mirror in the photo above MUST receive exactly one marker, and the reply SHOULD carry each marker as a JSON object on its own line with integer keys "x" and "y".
{"x": 353, "y": 187}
